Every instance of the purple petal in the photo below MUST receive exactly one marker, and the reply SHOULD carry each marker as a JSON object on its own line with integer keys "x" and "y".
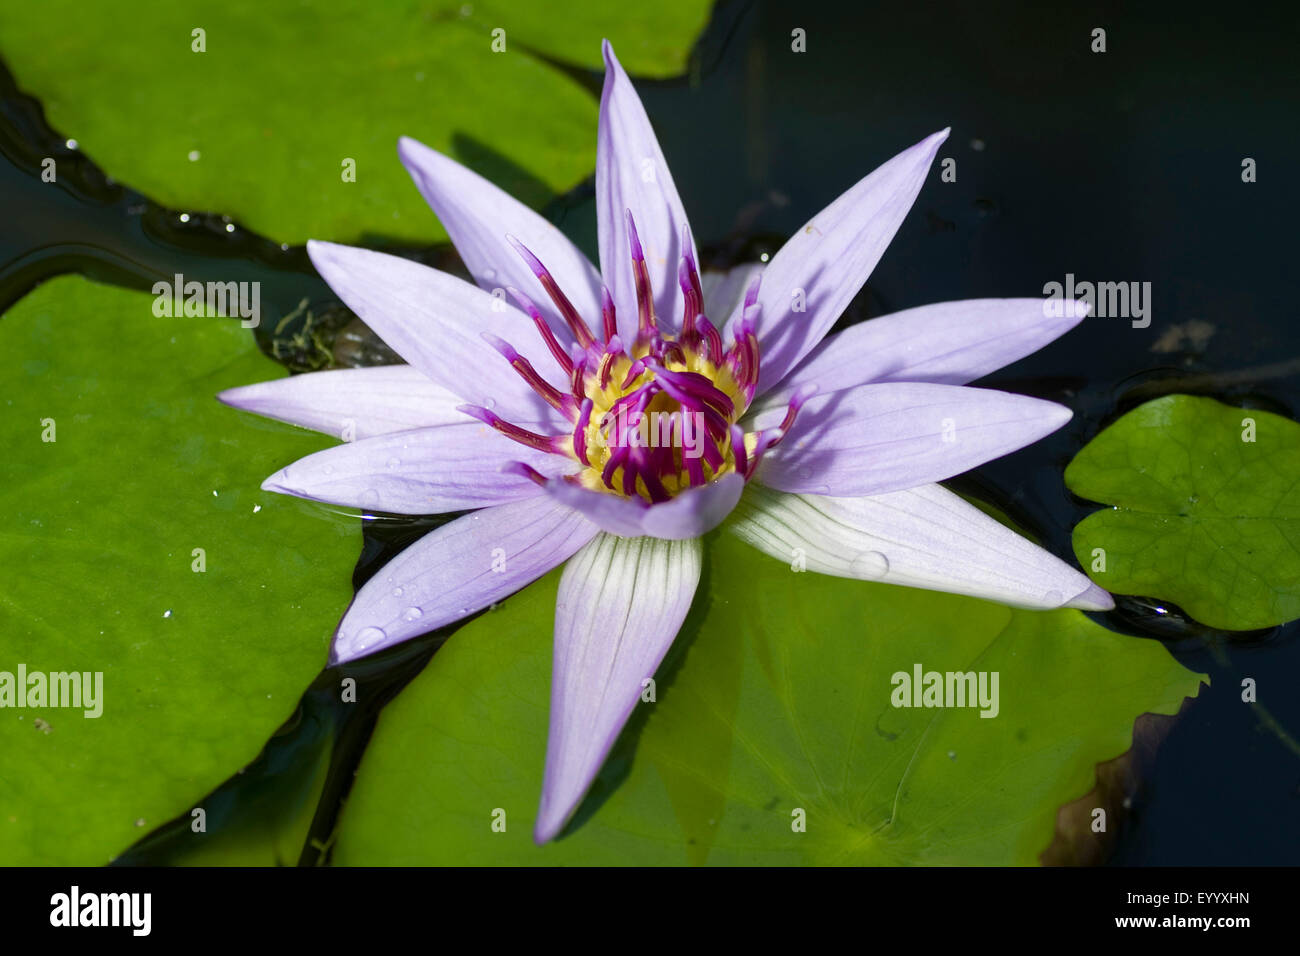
{"x": 621, "y": 603}
{"x": 420, "y": 472}
{"x": 814, "y": 276}
{"x": 434, "y": 321}
{"x": 877, "y": 438}
{"x": 949, "y": 343}
{"x": 478, "y": 216}
{"x": 631, "y": 174}
{"x": 353, "y": 403}
{"x": 925, "y": 537}
{"x": 456, "y": 570}
{"x": 689, "y": 515}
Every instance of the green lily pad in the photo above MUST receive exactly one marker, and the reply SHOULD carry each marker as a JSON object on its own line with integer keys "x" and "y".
{"x": 260, "y": 124}
{"x": 651, "y": 39}
{"x": 1205, "y": 510}
{"x": 199, "y": 667}
{"x": 774, "y": 708}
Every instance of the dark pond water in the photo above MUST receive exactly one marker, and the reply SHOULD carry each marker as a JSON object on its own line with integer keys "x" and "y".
{"x": 1123, "y": 166}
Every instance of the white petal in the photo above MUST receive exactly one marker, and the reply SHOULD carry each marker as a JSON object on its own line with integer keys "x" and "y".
{"x": 353, "y": 403}
{"x": 478, "y": 216}
{"x": 926, "y": 537}
{"x": 456, "y": 570}
{"x": 621, "y": 603}
{"x": 435, "y": 320}
{"x": 631, "y": 174}
{"x": 421, "y": 471}
{"x": 814, "y": 276}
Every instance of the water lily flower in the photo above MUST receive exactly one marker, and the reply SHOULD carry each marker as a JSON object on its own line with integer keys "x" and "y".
{"x": 519, "y": 392}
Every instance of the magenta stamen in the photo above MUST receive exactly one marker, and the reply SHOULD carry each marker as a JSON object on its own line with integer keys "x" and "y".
{"x": 713, "y": 419}
{"x": 547, "y": 443}
{"x": 608, "y": 315}
{"x": 654, "y": 486}
{"x": 612, "y": 465}
{"x": 635, "y": 369}
{"x": 694, "y": 299}
{"x": 642, "y": 394}
{"x": 645, "y": 306}
{"x": 695, "y": 470}
{"x": 751, "y": 294}
{"x": 712, "y": 456}
{"x": 613, "y": 348}
{"x": 792, "y": 409}
{"x": 766, "y": 439}
{"x": 578, "y": 380}
{"x": 738, "y": 450}
{"x": 580, "y": 432}
{"x": 554, "y": 397}
{"x": 548, "y": 336}
{"x": 743, "y": 358}
{"x": 567, "y": 312}
{"x": 712, "y": 340}
{"x": 698, "y": 387}
{"x": 524, "y": 471}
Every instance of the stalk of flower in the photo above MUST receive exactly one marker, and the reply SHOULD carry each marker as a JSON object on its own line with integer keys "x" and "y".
{"x": 530, "y": 416}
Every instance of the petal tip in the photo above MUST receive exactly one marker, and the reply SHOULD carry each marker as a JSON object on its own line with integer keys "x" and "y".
{"x": 1093, "y": 598}
{"x": 233, "y": 397}
{"x": 544, "y": 832}
{"x": 416, "y": 156}
{"x": 278, "y": 483}
{"x": 935, "y": 140}
{"x": 321, "y": 253}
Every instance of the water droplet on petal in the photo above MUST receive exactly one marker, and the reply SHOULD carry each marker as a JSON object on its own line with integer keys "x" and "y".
{"x": 369, "y": 498}
{"x": 489, "y": 274}
{"x": 413, "y": 614}
{"x": 368, "y": 637}
{"x": 397, "y": 592}
{"x": 1054, "y": 598}
{"x": 329, "y": 469}
{"x": 490, "y": 403}
{"x": 870, "y": 566}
